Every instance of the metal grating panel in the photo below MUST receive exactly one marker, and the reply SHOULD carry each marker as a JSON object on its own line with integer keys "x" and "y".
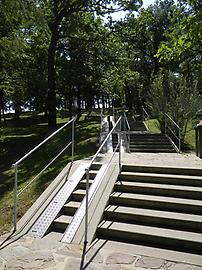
{"x": 78, "y": 217}
{"x": 47, "y": 217}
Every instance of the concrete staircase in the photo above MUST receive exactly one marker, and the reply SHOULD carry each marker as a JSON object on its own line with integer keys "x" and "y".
{"x": 155, "y": 207}
{"x": 67, "y": 212}
{"x": 137, "y": 125}
{"x": 150, "y": 143}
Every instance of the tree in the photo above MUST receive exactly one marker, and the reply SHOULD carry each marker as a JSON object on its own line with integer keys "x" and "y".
{"x": 56, "y": 12}
{"x": 179, "y": 99}
{"x": 184, "y": 41}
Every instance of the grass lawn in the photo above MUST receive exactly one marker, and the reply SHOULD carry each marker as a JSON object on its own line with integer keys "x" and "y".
{"x": 19, "y": 137}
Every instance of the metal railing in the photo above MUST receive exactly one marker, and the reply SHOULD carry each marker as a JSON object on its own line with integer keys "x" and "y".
{"x": 176, "y": 133}
{"x": 127, "y": 132}
{"x": 88, "y": 171}
{"x": 145, "y": 117}
{"x": 145, "y": 114}
{"x": 17, "y": 163}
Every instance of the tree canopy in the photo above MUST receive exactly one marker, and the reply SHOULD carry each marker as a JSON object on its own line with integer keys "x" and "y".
{"x": 55, "y": 53}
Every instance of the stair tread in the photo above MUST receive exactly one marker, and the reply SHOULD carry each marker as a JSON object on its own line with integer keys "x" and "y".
{"x": 174, "y": 176}
{"x": 93, "y": 171}
{"x": 181, "y": 170}
{"x": 74, "y": 204}
{"x": 156, "y": 198}
{"x": 84, "y": 181}
{"x": 153, "y": 213}
{"x": 159, "y": 186}
{"x": 151, "y": 231}
{"x": 80, "y": 191}
{"x": 63, "y": 219}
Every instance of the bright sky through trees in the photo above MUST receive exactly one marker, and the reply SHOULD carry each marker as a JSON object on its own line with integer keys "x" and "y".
{"x": 121, "y": 14}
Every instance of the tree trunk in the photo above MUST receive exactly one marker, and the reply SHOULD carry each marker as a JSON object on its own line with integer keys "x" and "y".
{"x": 17, "y": 109}
{"x": 78, "y": 102}
{"x": 51, "y": 94}
{"x": 1, "y": 105}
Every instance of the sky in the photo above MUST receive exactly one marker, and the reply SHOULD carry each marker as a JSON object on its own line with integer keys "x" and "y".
{"x": 119, "y": 15}
{"x": 146, "y": 3}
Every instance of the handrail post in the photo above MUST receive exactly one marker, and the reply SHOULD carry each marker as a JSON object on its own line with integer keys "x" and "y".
{"x": 120, "y": 147}
{"x": 179, "y": 140}
{"x": 73, "y": 140}
{"x": 15, "y": 166}
{"x": 165, "y": 123}
{"x": 86, "y": 217}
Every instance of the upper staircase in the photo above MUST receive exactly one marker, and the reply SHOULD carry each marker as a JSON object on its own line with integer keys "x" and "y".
{"x": 141, "y": 140}
{"x": 150, "y": 143}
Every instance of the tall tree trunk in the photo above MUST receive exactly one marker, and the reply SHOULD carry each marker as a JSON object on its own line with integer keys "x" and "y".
{"x": 98, "y": 102}
{"x": 18, "y": 110}
{"x": 78, "y": 102}
{"x": 51, "y": 94}
{"x": 1, "y": 104}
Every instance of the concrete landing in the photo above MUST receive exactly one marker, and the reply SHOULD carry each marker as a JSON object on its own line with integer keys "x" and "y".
{"x": 49, "y": 253}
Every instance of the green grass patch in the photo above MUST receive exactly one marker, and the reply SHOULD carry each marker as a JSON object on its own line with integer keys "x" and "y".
{"x": 18, "y": 138}
{"x": 153, "y": 125}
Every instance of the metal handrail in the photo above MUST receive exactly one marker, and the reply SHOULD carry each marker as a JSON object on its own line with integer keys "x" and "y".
{"x": 173, "y": 121}
{"x": 177, "y": 136}
{"x": 126, "y": 120}
{"x": 145, "y": 112}
{"x": 15, "y": 166}
{"x": 88, "y": 172}
{"x": 146, "y": 116}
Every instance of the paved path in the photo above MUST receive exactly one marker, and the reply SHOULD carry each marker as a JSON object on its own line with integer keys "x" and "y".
{"x": 49, "y": 253}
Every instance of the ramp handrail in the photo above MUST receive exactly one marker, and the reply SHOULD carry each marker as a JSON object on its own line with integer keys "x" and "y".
{"x": 15, "y": 166}
{"x": 88, "y": 172}
{"x": 167, "y": 127}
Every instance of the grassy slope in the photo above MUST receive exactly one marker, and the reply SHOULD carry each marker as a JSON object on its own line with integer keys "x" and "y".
{"x": 18, "y": 138}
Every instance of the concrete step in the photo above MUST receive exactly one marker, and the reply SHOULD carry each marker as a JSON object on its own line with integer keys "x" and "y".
{"x": 152, "y": 150}
{"x": 187, "y": 192}
{"x": 163, "y": 219}
{"x": 60, "y": 224}
{"x": 152, "y": 146}
{"x": 161, "y": 170}
{"x": 96, "y": 166}
{"x": 82, "y": 183}
{"x": 149, "y": 143}
{"x": 92, "y": 174}
{"x": 155, "y": 236}
{"x": 70, "y": 208}
{"x": 78, "y": 195}
{"x": 148, "y": 135}
{"x": 171, "y": 256}
{"x": 156, "y": 202}
{"x": 147, "y": 138}
{"x": 184, "y": 180}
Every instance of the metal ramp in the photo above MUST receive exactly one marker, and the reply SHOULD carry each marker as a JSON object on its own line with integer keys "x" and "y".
{"x": 46, "y": 219}
{"x": 70, "y": 227}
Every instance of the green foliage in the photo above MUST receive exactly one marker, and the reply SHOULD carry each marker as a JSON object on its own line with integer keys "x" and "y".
{"x": 172, "y": 94}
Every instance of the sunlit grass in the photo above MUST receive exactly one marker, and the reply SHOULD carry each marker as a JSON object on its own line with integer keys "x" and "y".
{"x": 153, "y": 125}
